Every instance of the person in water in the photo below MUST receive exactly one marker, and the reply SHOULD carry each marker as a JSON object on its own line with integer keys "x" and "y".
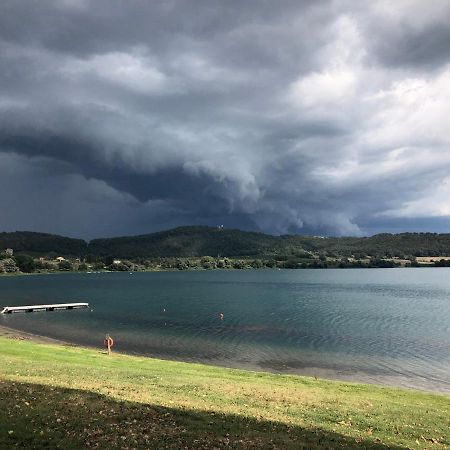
{"x": 221, "y": 316}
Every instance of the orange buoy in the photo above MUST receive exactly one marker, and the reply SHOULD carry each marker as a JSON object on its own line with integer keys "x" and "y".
{"x": 109, "y": 343}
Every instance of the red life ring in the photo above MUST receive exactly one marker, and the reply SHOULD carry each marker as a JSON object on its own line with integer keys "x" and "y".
{"x": 109, "y": 342}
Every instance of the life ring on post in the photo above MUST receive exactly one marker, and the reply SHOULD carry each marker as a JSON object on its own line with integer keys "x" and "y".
{"x": 109, "y": 342}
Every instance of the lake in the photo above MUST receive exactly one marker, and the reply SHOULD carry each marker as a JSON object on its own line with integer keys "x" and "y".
{"x": 386, "y": 326}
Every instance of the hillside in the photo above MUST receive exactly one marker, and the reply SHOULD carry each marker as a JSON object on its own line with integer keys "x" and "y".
{"x": 197, "y": 241}
{"x": 64, "y": 397}
{"x": 188, "y": 241}
{"x": 381, "y": 245}
{"x": 34, "y": 243}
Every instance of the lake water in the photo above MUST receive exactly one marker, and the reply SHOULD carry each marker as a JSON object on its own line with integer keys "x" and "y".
{"x": 387, "y": 326}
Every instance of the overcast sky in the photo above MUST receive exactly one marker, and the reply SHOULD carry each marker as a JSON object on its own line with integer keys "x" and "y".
{"x": 312, "y": 117}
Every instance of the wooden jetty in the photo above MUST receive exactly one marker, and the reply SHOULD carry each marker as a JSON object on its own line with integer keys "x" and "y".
{"x": 51, "y": 307}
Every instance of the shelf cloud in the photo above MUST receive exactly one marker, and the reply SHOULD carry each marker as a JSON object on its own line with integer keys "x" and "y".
{"x": 319, "y": 117}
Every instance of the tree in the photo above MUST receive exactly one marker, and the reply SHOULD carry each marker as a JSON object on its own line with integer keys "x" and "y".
{"x": 8, "y": 265}
{"x": 257, "y": 264}
{"x": 25, "y": 263}
{"x": 239, "y": 264}
{"x": 90, "y": 258}
{"x": 65, "y": 265}
{"x": 108, "y": 260}
{"x": 182, "y": 265}
{"x": 45, "y": 265}
{"x": 208, "y": 262}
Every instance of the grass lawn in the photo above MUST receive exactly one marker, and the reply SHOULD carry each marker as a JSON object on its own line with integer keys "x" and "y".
{"x": 54, "y": 396}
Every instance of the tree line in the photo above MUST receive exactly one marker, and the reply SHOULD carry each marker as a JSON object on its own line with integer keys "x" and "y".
{"x": 196, "y": 242}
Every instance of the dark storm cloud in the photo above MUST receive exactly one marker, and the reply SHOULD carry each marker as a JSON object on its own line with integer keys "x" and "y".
{"x": 314, "y": 116}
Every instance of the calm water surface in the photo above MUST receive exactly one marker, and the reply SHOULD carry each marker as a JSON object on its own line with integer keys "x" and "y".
{"x": 388, "y": 326}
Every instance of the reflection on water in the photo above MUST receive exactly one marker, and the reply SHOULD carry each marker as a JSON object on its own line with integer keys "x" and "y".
{"x": 380, "y": 325}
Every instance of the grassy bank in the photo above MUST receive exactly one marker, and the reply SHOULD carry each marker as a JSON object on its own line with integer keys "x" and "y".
{"x": 66, "y": 397}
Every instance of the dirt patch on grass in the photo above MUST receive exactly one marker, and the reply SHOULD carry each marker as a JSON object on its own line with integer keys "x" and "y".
{"x": 10, "y": 333}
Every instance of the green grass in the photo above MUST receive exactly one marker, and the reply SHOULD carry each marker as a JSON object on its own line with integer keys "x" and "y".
{"x": 68, "y": 397}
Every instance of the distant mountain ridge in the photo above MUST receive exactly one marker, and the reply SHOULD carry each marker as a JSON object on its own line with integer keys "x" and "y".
{"x": 193, "y": 241}
{"x": 33, "y": 242}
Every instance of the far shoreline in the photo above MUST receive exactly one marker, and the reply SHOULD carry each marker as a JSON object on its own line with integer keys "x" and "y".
{"x": 75, "y": 272}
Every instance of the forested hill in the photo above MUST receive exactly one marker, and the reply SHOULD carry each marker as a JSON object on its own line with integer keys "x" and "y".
{"x": 202, "y": 241}
{"x": 37, "y": 243}
{"x": 189, "y": 241}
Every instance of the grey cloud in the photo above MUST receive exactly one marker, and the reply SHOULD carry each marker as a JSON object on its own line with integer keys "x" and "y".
{"x": 426, "y": 48}
{"x": 279, "y": 116}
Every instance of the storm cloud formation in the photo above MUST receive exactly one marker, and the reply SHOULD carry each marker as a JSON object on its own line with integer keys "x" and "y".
{"x": 318, "y": 117}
